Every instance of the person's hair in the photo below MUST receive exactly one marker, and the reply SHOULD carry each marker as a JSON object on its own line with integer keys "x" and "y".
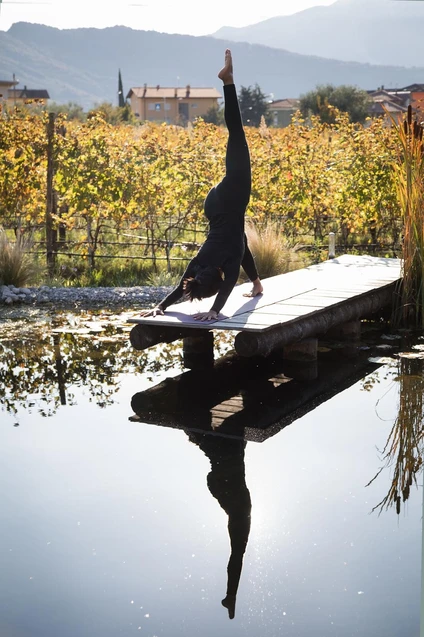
{"x": 206, "y": 283}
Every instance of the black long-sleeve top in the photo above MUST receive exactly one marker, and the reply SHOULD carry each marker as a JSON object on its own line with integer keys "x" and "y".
{"x": 225, "y": 205}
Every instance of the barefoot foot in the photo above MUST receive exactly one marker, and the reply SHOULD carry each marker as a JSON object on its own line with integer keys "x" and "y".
{"x": 226, "y": 73}
{"x": 256, "y": 289}
{"x": 230, "y": 604}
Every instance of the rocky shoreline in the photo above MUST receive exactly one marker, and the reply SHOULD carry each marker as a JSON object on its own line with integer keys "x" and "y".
{"x": 89, "y": 297}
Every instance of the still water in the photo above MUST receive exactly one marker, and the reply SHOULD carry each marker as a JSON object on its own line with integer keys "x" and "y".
{"x": 111, "y": 526}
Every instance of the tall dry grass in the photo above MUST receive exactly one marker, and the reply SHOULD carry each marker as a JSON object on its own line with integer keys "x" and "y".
{"x": 409, "y": 173}
{"x": 17, "y": 265}
{"x": 273, "y": 252}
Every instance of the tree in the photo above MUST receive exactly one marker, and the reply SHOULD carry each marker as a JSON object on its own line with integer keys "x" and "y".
{"x": 72, "y": 110}
{"x": 215, "y": 115}
{"x": 114, "y": 115}
{"x": 254, "y": 106}
{"x": 349, "y": 99}
{"x": 121, "y": 99}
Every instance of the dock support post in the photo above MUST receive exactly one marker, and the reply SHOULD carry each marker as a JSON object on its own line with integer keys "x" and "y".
{"x": 300, "y": 359}
{"x": 303, "y": 351}
{"x": 198, "y": 351}
{"x": 350, "y": 331}
{"x": 349, "y": 334}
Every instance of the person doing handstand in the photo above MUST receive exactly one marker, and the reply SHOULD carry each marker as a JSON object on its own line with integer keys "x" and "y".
{"x": 216, "y": 267}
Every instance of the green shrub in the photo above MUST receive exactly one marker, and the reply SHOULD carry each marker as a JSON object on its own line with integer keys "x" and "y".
{"x": 163, "y": 278}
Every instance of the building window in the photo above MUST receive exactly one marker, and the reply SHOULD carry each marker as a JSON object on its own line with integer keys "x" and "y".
{"x": 158, "y": 106}
{"x": 151, "y": 107}
{"x": 167, "y": 106}
{"x": 194, "y": 106}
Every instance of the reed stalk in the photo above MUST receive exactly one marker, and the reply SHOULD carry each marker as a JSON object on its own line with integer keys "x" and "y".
{"x": 408, "y": 167}
{"x": 403, "y": 451}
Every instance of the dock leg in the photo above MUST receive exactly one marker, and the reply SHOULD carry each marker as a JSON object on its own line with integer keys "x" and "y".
{"x": 350, "y": 335}
{"x": 301, "y": 359}
{"x": 303, "y": 351}
{"x": 350, "y": 331}
{"x": 198, "y": 351}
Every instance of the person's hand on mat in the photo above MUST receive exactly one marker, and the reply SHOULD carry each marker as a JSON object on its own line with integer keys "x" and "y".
{"x": 206, "y": 316}
{"x": 153, "y": 312}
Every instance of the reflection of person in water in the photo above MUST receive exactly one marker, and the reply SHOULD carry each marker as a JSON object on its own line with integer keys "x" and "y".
{"x": 226, "y": 482}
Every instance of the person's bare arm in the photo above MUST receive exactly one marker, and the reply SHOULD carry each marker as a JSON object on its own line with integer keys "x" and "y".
{"x": 231, "y": 273}
{"x": 160, "y": 308}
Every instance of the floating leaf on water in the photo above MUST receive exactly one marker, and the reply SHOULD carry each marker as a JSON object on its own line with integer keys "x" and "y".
{"x": 418, "y": 347}
{"x": 71, "y": 330}
{"x": 94, "y": 327}
{"x": 391, "y": 337}
{"x": 385, "y": 346}
{"x": 109, "y": 339}
{"x": 134, "y": 418}
{"x": 411, "y": 355}
{"x": 382, "y": 360}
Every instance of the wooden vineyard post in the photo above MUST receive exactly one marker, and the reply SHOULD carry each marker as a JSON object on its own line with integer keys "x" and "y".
{"x": 50, "y": 255}
{"x": 59, "y": 368}
{"x": 331, "y": 245}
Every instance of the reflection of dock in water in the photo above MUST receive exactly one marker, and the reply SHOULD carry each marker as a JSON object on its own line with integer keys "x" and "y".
{"x": 252, "y": 399}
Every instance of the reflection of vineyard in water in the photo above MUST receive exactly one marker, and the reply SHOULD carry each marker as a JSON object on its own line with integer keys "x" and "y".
{"x": 43, "y": 363}
{"x": 40, "y": 366}
{"x": 403, "y": 451}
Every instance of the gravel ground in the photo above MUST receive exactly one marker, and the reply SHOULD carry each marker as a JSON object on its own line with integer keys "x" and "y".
{"x": 143, "y": 296}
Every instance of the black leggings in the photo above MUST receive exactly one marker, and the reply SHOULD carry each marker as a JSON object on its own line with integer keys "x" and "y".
{"x": 237, "y": 160}
{"x": 238, "y": 178}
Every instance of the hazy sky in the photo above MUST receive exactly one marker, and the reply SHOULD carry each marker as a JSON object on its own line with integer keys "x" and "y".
{"x": 193, "y": 17}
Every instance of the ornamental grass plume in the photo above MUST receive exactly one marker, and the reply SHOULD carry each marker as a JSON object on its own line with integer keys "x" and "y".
{"x": 17, "y": 266}
{"x": 408, "y": 168}
{"x": 272, "y": 251}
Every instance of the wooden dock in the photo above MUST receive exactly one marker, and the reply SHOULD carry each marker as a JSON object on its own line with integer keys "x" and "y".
{"x": 294, "y": 307}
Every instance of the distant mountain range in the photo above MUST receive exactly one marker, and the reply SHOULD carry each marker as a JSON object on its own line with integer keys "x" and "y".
{"x": 388, "y": 32}
{"x": 82, "y": 64}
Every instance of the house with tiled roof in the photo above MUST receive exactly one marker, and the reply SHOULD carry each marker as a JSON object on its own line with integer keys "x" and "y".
{"x": 283, "y": 110}
{"x": 384, "y": 102}
{"x": 174, "y": 105}
{"x": 397, "y": 100}
{"x": 5, "y": 87}
{"x": 13, "y": 96}
{"x": 417, "y": 97}
{"x": 21, "y": 96}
